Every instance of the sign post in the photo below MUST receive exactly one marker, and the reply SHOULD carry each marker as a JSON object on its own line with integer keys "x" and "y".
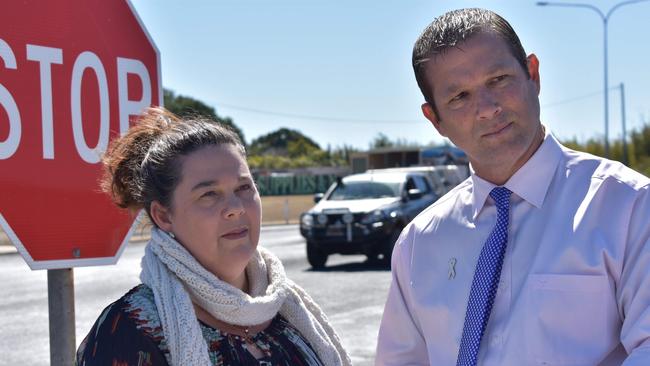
{"x": 73, "y": 75}
{"x": 60, "y": 294}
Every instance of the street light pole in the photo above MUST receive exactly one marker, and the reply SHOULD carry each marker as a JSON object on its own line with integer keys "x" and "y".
{"x": 605, "y": 19}
{"x": 626, "y": 160}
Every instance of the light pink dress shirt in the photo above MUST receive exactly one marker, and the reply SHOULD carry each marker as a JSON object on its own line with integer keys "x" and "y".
{"x": 575, "y": 284}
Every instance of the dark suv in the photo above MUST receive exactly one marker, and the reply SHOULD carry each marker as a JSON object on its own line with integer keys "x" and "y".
{"x": 364, "y": 214}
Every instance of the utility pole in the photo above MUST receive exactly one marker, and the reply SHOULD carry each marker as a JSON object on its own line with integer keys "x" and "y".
{"x": 626, "y": 160}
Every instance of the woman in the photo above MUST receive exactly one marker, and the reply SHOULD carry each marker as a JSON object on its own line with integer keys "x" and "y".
{"x": 209, "y": 294}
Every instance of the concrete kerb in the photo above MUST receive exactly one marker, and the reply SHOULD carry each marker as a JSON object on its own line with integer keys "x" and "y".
{"x": 6, "y": 247}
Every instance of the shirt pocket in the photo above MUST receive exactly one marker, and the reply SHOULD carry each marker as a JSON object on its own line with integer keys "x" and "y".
{"x": 570, "y": 320}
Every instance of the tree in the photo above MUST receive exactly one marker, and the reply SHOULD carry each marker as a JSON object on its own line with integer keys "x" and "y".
{"x": 380, "y": 141}
{"x": 183, "y": 106}
{"x": 638, "y": 148}
{"x": 300, "y": 147}
{"x": 341, "y": 155}
{"x": 278, "y": 142}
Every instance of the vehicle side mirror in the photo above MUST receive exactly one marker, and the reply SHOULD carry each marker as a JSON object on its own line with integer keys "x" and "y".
{"x": 414, "y": 194}
{"x": 318, "y": 197}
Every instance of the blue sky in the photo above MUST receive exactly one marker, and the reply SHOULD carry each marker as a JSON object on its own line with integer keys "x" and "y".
{"x": 339, "y": 70}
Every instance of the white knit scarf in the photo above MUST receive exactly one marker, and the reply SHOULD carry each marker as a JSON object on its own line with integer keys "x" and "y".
{"x": 177, "y": 279}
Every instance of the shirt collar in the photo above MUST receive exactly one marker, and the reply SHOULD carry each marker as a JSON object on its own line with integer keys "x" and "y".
{"x": 530, "y": 182}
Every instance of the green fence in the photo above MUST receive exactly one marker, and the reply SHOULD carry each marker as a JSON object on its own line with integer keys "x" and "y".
{"x": 297, "y": 184}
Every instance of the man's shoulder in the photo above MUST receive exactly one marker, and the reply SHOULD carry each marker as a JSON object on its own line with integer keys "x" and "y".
{"x": 453, "y": 201}
{"x": 597, "y": 168}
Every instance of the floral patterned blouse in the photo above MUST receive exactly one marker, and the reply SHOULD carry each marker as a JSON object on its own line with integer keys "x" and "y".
{"x": 128, "y": 332}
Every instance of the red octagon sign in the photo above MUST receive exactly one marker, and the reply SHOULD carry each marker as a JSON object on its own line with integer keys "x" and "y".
{"x": 73, "y": 75}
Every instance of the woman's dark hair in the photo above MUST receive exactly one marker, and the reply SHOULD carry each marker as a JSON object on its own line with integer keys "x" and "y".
{"x": 453, "y": 28}
{"x": 144, "y": 165}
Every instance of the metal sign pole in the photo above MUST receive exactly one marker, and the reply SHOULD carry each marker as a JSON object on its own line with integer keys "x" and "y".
{"x": 626, "y": 160}
{"x": 60, "y": 294}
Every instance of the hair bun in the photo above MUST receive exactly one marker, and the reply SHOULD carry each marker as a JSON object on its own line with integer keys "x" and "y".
{"x": 122, "y": 178}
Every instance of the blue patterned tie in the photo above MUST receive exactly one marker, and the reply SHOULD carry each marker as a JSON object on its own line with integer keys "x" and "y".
{"x": 485, "y": 282}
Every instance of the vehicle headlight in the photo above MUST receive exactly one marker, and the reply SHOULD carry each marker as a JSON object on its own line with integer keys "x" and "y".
{"x": 322, "y": 219}
{"x": 374, "y": 216}
{"x": 307, "y": 220}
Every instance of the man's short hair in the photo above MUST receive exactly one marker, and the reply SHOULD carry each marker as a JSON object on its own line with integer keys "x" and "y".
{"x": 453, "y": 28}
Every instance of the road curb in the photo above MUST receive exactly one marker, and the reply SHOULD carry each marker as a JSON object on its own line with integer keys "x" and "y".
{"x": 7, "y": 249}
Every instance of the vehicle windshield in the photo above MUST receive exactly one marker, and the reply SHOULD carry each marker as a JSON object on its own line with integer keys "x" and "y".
{"x": 364, "y": 190}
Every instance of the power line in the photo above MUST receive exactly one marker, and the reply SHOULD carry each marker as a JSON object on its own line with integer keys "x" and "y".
{"x": 394, "y": 121}
{"x": 569, "y": 100}
{"x": 319, "y": 118}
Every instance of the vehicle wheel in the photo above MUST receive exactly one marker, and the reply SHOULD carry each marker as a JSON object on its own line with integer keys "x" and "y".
{"x": 316, "y": 256}
{"x": 390, "y": 244}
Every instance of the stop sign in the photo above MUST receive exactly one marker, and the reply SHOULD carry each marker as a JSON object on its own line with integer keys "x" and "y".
{"x": 73, "y": 75}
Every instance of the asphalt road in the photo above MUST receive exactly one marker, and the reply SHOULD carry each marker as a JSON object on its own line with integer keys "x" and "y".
{"x": 350, "y": 290}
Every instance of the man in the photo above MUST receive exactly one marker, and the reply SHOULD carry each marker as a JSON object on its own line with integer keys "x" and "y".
{"x": 542, "y": 256}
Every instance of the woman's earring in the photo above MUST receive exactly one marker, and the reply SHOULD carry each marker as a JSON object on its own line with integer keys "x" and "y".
{"x": 172, "y": 235}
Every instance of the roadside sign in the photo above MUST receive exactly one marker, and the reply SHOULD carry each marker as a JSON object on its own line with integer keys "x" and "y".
{"x": 73, "y": 75}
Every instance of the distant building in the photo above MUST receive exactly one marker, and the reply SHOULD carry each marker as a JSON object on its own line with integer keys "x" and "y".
{"x": 395, "y": 157}
{"x": 443, "y": 155}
